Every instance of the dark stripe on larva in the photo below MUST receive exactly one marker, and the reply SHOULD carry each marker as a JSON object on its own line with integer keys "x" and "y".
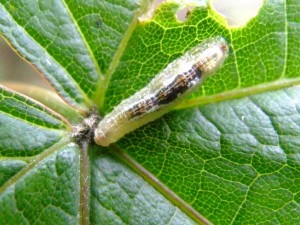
{"x": 142, "y": 107}
{"x": 181, "y": 83}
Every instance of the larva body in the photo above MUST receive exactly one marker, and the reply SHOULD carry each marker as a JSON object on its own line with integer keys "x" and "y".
{"x": 167, "y": 89}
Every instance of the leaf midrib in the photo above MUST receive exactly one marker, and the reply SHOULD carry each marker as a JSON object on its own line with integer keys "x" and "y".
{"x": 239, "y": 93}
{"x": 103, "y": 84}
{"x": 34, "y": 162}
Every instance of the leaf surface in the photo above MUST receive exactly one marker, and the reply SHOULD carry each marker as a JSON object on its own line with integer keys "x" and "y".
{"x": 27, "y": 128}
{"x": 227, "y": 162}
{"x": 238, "y": 159}
{"x": 45, "y": 192}
{"x": 120, "y": 196}
{"x": 71, "y": 47}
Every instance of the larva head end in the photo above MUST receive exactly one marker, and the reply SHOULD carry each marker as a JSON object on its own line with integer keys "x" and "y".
{"x": 212, "y": 55}
{"x": 100, "y": 138}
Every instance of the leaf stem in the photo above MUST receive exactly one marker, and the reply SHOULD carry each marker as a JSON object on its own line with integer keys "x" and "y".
{"x": 84, "y": 182}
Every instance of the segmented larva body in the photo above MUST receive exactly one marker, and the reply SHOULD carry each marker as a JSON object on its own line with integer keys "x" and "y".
{"x": 167, "y": 89}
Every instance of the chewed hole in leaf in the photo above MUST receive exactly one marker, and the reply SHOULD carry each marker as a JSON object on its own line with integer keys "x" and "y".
{"x": 183, "y": 14}
{"x": 236, "y": 12}
{"x": 185, "y": 8}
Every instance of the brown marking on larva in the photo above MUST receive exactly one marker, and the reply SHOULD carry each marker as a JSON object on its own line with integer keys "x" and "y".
{"x": 181, "y": 83}
{"x": 224, "y": 47}
{"x": 202, "y": 65}
{"x": 137, "y": 109}
{"x": 142, "y": 107}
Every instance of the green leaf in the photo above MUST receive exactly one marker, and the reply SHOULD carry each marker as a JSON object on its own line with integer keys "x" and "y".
{"x": 35, "y": 164}
{"x": 65, "y": 43}
{"x": 229, "y": 162}
{"x": 260, "y": 59}
{"x": 120, "y": 196}
{"x": 47, "y": 191}
{"x": 49, "y": 99}
{"x": 26, "y": 127}
{"x": 9, "y": 168}
{"x": 238, "y": 158}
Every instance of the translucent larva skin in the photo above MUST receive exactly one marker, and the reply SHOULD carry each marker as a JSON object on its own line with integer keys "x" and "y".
{"x": 167, "y": 89}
